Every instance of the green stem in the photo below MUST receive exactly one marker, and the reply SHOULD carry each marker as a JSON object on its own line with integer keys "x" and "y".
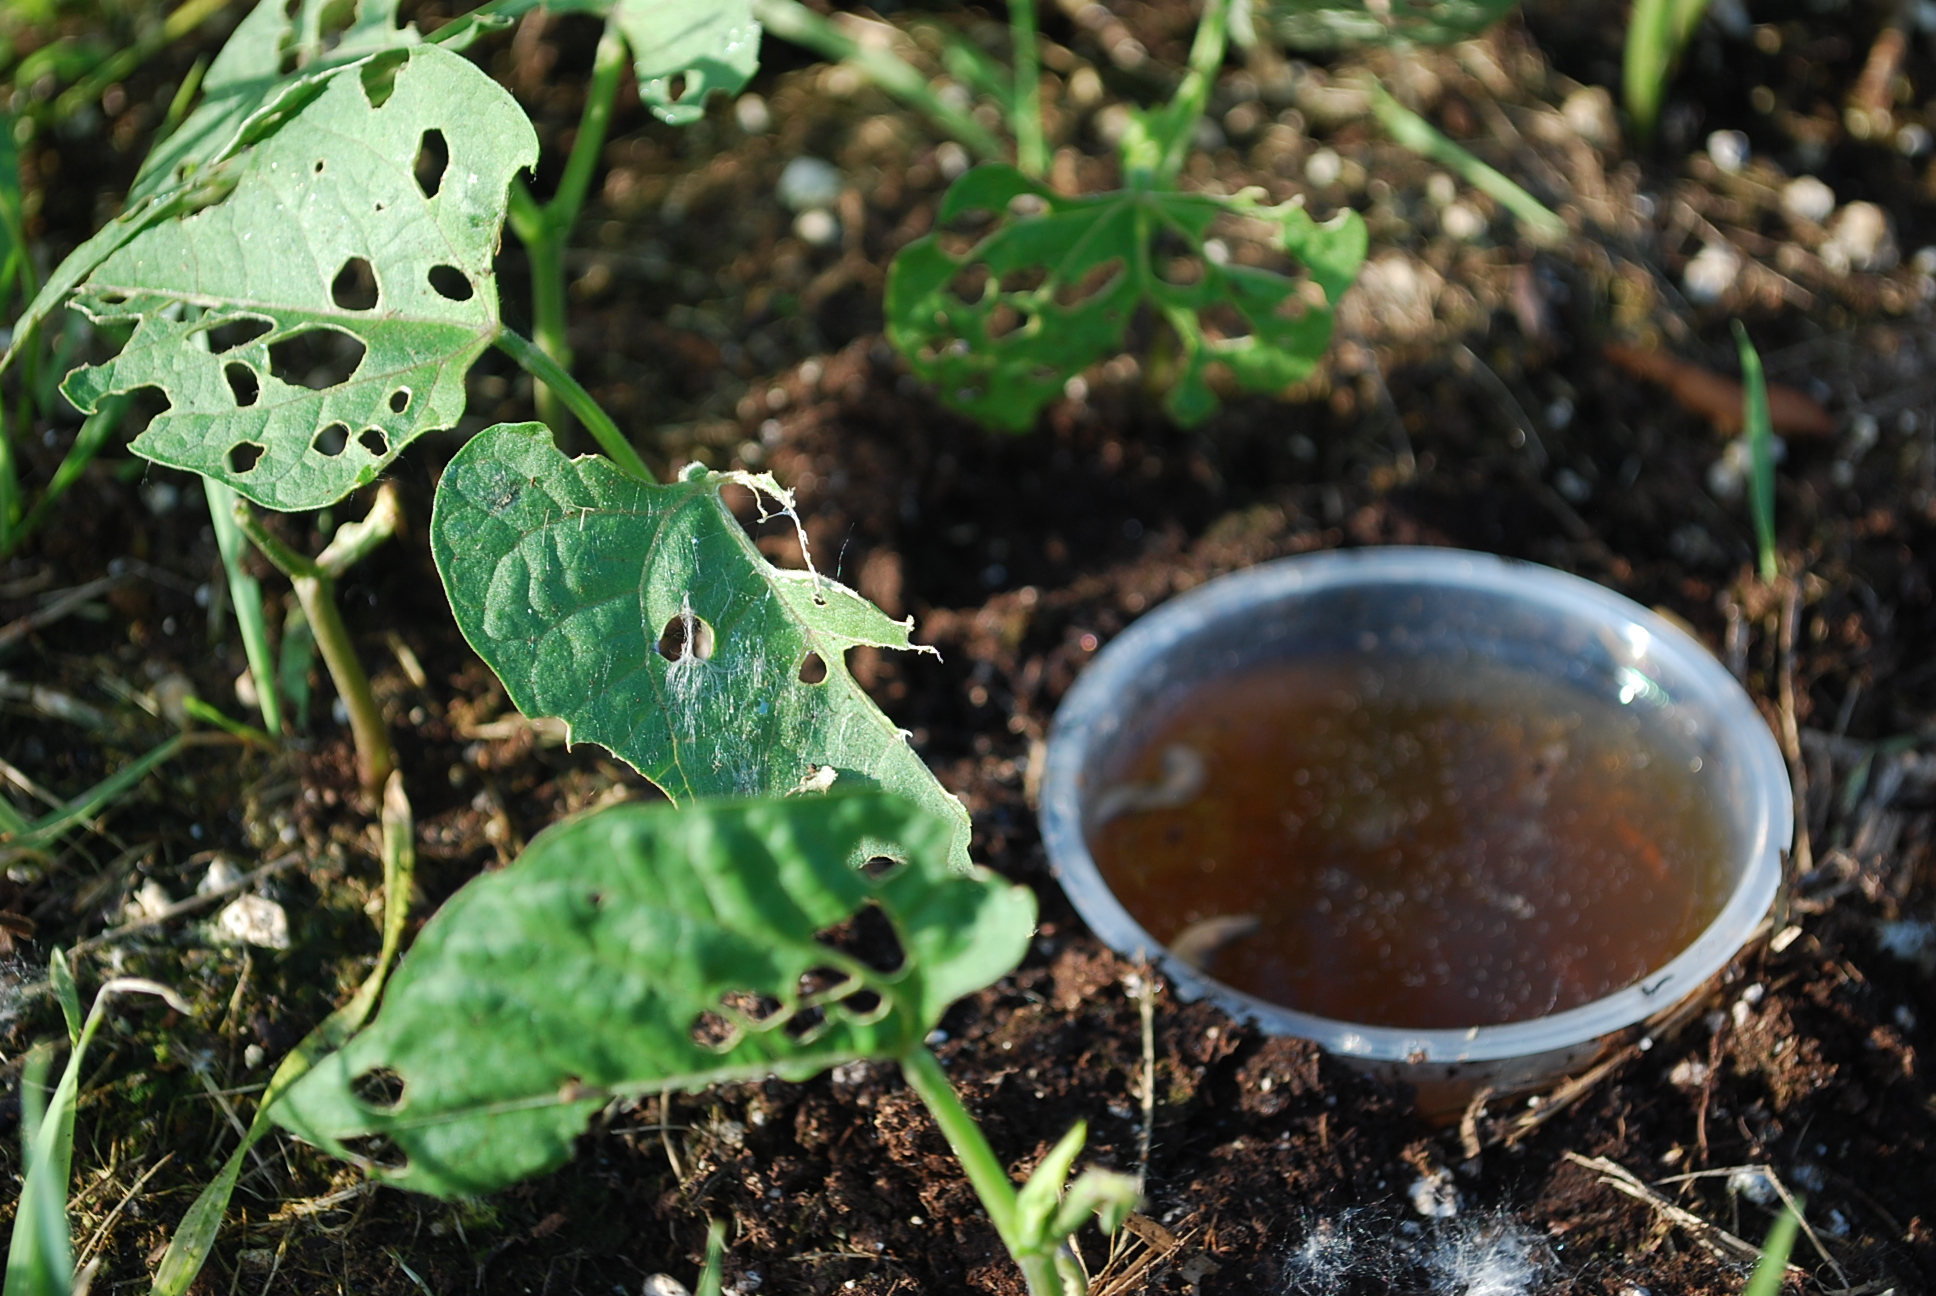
{"x": 1193, "y": 95}
{"x": 540, "y": 366}
{"x": 1759, "y": 429}
{"x": 245, "y": 592}
{"x": 316, "y": 591}
{"x": 1418, "y": 135}
{"x": 793, "y": 21}
{"x": 1031, "y": 148}
{"x": 985, "y": 1173}
{"x": 545, "y": 229}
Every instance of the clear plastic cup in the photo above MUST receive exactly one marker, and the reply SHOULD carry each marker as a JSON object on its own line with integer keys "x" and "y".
{"x": 1530, "y": 618}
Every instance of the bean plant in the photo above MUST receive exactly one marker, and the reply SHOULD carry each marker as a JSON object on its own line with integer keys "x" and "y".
{"x": 302, "y": 276}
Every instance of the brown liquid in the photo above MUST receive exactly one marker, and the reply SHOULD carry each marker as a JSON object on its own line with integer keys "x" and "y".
{"x": 1410, "y": 843}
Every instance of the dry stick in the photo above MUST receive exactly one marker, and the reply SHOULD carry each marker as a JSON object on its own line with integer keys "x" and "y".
{"x": 188, "y": 906}
{"x": 1787, "y": 1199}
{"x": 1712, "y": 1236}
{"x": 1801, "y": 859}
{"x": 1146, "y": 1010}
{"x": 101, "y": 1233}
{"x": 14, "y": 631}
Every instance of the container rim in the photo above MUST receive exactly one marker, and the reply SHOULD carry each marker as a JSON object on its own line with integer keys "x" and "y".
{"x": 1090, "y": 709}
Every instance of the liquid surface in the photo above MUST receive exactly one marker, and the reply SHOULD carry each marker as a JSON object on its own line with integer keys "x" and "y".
{"x": 1401, "y": 842}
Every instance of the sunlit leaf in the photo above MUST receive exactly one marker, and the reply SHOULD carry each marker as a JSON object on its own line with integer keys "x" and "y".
{"x": 693, "y": 47}
{"x": 643, "y": 616}
{"x": 643, "y": 948}
{"x": 1325, "y": 24}
{"x": 359, "y": 240}
{"x": 1060, "y": 284}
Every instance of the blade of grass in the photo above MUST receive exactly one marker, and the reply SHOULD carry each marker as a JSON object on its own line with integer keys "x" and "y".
{"x": 711, "y": 1277}
{"x": 40, "y": 1258}
{"x": 194, "y": 1238}
{"x": 293, "y": 666}
{"x": 245, "y": 592}
{"x": 1422, "y": 138}
{"x": 1760, "y": 432}
{"x": 48, "y": 828}
{"x": 1656, "y": 34}
{"x": 1768, "y": 1275}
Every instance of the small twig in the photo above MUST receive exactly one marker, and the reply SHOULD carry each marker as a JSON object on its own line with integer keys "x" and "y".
{"x": 1801, "y": 858}
{"x": 64, "y": 606}
{"x": 1787, "y": 1199}
{"x": 1712, "y": 1236}
{"x": 100, "y": 1234}
{"x": 1146, "y": 1010}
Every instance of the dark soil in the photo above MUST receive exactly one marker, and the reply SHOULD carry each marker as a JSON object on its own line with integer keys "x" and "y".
{"x": 1467, "y": 402}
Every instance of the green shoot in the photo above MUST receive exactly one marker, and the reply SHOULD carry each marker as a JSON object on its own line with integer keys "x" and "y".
{"x": 643, "y": 617}
{"x": 1419, "y": 135}
{"x": 792, "y": 21}
{"x": 712, "y": 1275}
{"x": 723, "y": 912}
{"x": 1759, "y": 429}
{"x": 1773, "y": 1267}
{"x": 292, "y": 664}
{"x": 245, "y": 595}
{"x": 51, "y": 827}
{"x": 40, "y": 1257}
{"x": 194, "y": 1239}
{"x": 315, "y": 580}
{"x": 1657, "y": 33}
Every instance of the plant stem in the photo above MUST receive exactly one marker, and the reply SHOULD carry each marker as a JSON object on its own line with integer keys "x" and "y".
{"x": 793, "y": 21}
{"x": 990, "y": 1181}
{"x": 1759, "y": 429}
{"x": 540, "y": 366}
{"x": 1031, "y": 149}
{"x": 245, "y": 592}
{"x": 1419, "y": 135}
{"x": 544, "y": 229}
{"x": 1193, "y": 95}
{"x": 316, "y": 591}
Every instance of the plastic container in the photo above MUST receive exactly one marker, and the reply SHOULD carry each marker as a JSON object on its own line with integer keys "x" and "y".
{"x": 1435, "y": 601}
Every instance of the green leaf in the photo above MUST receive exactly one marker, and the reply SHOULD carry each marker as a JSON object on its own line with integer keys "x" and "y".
{"x": 712, "y": 44}
{"x": 13, "y": 240}
{"x": 1084, "y": 266}
{"x": 566, "y": 576}
{"x": 61, "y": 977}
{"x": 40, "y": 1258}
{"x": 643, "y": 948}
{"x": 333, "y": 187}
{"x": 1326, "y": 24}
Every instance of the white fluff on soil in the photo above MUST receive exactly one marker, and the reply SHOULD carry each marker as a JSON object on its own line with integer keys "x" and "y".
{"x": 1474, "y": 1254}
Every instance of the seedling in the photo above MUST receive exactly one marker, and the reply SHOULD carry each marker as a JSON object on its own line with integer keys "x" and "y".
{"x": 1758, "y": 427}
{"x": 40, "y": 1259}
{"x": 1061, "y": 279}
{"x": 642, "y": 949}
{"x": 1657, "y": 33}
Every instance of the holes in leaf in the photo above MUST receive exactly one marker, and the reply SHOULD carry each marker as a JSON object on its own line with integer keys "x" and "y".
{"x": 399, "y": 400}
{"x": 1024, "y": 205}
{"x": 1095, "y": 281}
{"x": 806, "y": 1024}
{"x": 242, "y": 382}
{"x": 817, "y": 983}
{"x": 971, "y": 284}
{"x": 686, "y": 635}
{"x": 814, "y": 669}
{"x": 318, "y": 168}
{"x": 868, "y": 937}
{"x": 1025, "y": 279}
{"x": 759, "y": 1009}
{"x": 113, "y": 298}
{"x": 1224, "y": 322}
{"x": 231, "y": 334}
{"x": 354, "y": 287}
{"x": 676, "y": 87}
{"x": 244, "y": 456}
{"x": 450, "y": 283}
{"x": 331, "y": 440}
{"x": 433, "y": 155}
{"x": 712, "y": 1031}
{"x": 373, "y": 440}
{"x": 1003, "y": 320}
{"x": 377, "y": 1152}
{"x": 864, "y": 1004}
{"x": 380, "y": 76}
{"x": 880, "y": 868}
{"x": 1182, "y": 271}
{"x": 317, "y": 358}
{"x": 379, "y": 1087}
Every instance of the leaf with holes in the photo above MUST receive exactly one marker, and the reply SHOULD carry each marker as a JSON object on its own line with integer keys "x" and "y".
{"x": 323, "y": 316}
{"x": 643, "y": 616}
{"x": 683, "y": 50}
{"x": 1326, "y": 24}
{"x": 1060, "y": 285}
{"x": 642, "y": 948}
